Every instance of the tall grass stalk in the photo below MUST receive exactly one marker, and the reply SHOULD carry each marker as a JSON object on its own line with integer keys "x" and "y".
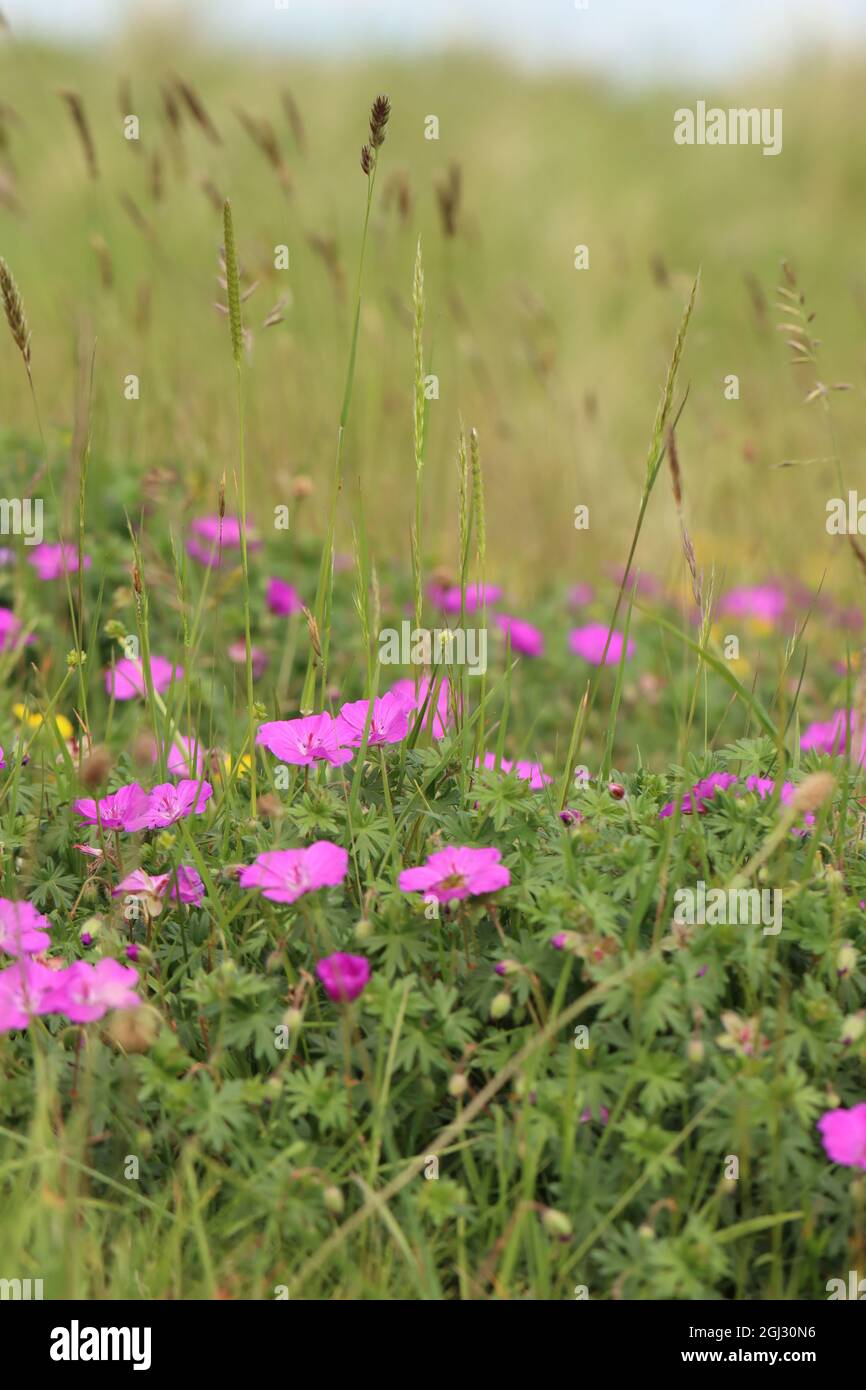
{"x": 236, "y": 327}
{"x": 325, "y": 584}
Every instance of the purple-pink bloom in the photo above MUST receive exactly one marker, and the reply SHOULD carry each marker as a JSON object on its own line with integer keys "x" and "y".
{"x": 174, "y": 801}
{"x": 85, "y": 992}
{"x": 10, "y": 631}
{"x": 283, "y": 598}
{"x": 456, "y": 872}
{"x": 304, "y": 741}
{"x": 125, "y": 680}
{"x": 389, "y": 721}
{"x": 586, "y": 1116}
{"x": 23, "y": 930}
{"x": 25, "y": 989}
{"x": 237, "y": 652}
{"x": 833, "y": 736}
{"x": 700, "y": 794}
{"x": 286, "y": 874}
{"x": 185, "y": 757}
{"x": 437, "y": 719}
{"x": 53, "y": 561}
{"x": 524, "y": 638}
{"x": 448, "y": 598}
{"x": 126, "y": 809}
{"x": 211, "y": 535}
{"x": 533, "y": 773}
{"x": 589, "y": 642}
{"x": 344, "y": 976}
{"x": 764, "y": 601}
{"x": 184, "y": 886}
{"x": 843, "y": 1134}
{"x": 579, "y": 595}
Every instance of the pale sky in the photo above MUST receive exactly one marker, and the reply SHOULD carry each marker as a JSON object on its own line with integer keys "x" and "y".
{"x": 627, "y": 38}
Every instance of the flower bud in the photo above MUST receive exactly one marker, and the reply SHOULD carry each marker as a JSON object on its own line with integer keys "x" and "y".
{"x": 556, "y": 1223}
{"x": 695, "y": 1050}
{"x": 846, "y": 958}
{"x": 334, "y": 1200}
{"x": 457, "y": 1085}
{"x": 500, "y": 1005}
{"x": 364, "y": 929}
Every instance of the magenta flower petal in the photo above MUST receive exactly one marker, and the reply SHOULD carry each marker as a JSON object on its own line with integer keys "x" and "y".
{"x": 524, "y": 638}
{"x": 125, "y": 680}
{"x": 389, "y": 722}
{"x": 589, "y": 642}
{"x": 23, "y": 930}
{"x": 344, "y": 976}
{"x": 304, "y": 741}
{"x": 843, "y": 1134}
{"x": 459, "y": 872}
{"x": 86, "y": 992}
{"x": 283, "y": 875}
{"x": 283, "y": 598}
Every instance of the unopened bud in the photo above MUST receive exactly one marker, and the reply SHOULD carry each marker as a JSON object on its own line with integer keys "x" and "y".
{"x": 334, "y": 1200}
{"x": 556, "y": 1223}
{"x": 846, "y": 958}
{"x": 500, "y": 1005}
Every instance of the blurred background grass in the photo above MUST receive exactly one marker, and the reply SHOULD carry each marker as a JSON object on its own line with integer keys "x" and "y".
{"x": 558, "y": 369}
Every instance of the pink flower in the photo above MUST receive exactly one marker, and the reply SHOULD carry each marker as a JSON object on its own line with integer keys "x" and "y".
{"x": 344, "y": 976}
{"x": 440, "y": 717}
{"x": 170, "y": 802}
{"x": 286, "y": 874}
{"x": 765, "y": 787}
{"x": 126, "y": 809}
{"x": 843, "y": 1134}
{"x": 586, "y": 1115}
{"x": 185, "y": 886}
{"x": 10, "y": 631}
{"x": 125, "y": 680}
{"x": 185, "y": 757}
{"x": 237, "y": 652}
{"x": 86, "y": 992}
{"x": 211, "y": 535}
{"x": 524, "y": 639}
{"x": 477, "y": 596}
{"x": 580, "y": 595}
{"x": 304, "y": 741}
{"x": 700, "y": 794}
{"x": 2, "y": 759}
{"x": 589, "y": 642}
{"x": 833, "y": 736}
{"x": 458, "y": 872}
{"x": 25, "y": 989}
{"x": 533, "y": 773}
{"x": 282, "y": 598}
{"x": 389, "y": 722}
{"x": 765, "y": 601}
{"x": 22, "y": 929}
{"x": 53, "y": 561}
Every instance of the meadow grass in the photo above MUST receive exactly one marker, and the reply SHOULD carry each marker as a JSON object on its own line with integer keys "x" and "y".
{"x": 451, "y": 1132}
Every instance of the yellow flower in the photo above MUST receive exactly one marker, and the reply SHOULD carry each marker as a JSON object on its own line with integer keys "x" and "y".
{"x": 242, "y": 767}
{"x": 35, "y": 721}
